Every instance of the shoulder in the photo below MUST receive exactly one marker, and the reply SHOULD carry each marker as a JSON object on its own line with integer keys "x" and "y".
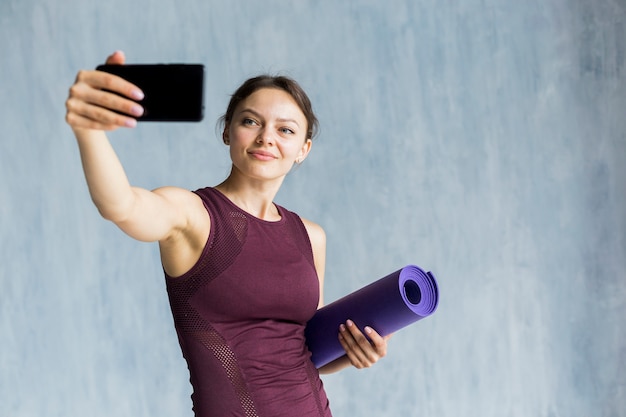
{"x": 184, "y": 245}
{"x": 182, "y": 199}
{"x": 317, "y": 235}
{"x": 188, "y": 206}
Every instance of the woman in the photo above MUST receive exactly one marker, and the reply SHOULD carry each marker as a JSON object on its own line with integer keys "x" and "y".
{"x": 243, "y": 274}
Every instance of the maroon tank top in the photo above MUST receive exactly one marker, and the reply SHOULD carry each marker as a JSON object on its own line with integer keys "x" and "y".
{"x": 240, "y": 314}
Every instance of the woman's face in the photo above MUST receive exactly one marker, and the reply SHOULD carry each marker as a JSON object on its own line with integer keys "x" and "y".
{"x": 267, "y": 134}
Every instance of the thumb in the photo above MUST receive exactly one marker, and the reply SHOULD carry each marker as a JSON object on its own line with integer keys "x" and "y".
{"x": 116, "y": 57}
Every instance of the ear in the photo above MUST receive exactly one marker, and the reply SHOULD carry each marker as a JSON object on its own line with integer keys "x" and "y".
{"x": 225, "y": 135}
{"x": 304, "y": 151}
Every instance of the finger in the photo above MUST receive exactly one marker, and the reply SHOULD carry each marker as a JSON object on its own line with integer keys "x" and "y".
{"x": 107, "y": 100}
{"x": 84, "y": 114}
{"x": 82, "y": 95}
{"x": 79, "y": 122}
{"x": 358, "y": 336}
{"x": 359, "y": 347}
{"x": 104, "y": 81}
{"x": 373, "y": 346}
{"x": 378, "y": 342}
{"x": 116, "y": 58}
{"x": 351, "y": 348}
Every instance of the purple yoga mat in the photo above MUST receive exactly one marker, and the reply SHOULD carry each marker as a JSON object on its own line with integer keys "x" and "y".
{"x": 387, "y": 305}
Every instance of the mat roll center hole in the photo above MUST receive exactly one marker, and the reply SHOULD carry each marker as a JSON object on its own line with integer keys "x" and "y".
{"x": 412, "y": 292}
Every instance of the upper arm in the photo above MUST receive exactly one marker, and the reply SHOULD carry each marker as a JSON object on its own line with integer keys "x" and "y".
{"x": 317, "y": 236}
{"x": 174, "y": 217}
{"x": 159, "y": 214}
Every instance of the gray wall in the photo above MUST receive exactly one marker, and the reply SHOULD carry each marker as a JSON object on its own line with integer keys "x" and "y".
{"x": 482, "y": 139}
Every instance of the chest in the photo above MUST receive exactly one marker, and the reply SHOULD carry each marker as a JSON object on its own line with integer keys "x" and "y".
{"x": 271, "y": 278}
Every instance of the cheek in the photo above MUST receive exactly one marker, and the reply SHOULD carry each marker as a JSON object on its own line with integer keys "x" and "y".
{"x": 241, "y": 137}
{"x": 291, "y": 151}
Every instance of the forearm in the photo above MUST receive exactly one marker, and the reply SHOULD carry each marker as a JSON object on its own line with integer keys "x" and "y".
{"x": 335, "y": 366}
{"x": 108, "y": 185}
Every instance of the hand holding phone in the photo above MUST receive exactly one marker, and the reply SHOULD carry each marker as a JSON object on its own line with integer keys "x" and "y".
{"x": 172, "y": 92}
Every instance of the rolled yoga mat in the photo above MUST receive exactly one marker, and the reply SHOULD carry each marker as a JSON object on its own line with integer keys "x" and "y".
{"x": 387, "y": 305}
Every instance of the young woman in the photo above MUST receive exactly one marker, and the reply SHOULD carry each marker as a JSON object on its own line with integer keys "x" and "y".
{"x": 243, "y": 274}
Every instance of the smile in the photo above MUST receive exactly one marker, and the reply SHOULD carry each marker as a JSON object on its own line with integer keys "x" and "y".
{"x": 262, "y": 155}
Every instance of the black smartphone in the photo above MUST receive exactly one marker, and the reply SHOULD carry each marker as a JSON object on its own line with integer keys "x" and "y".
{"x": 172, "y": 92}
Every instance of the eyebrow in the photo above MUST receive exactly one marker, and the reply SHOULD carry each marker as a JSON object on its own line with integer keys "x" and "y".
{"x": 257, "y": 114}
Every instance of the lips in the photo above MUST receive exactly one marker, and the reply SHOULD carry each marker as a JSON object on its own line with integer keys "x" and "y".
{"x": 262, "y": 155}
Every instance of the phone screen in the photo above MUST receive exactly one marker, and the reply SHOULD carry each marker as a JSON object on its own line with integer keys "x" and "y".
{"x": 173, "y": 92}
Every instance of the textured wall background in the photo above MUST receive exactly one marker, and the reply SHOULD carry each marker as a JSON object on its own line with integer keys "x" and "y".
{"x": 482, "y": 139}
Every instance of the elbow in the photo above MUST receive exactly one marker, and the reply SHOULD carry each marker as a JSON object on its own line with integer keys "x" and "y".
{"x": 115, "y": 216}
{"x": 116, "y": 213}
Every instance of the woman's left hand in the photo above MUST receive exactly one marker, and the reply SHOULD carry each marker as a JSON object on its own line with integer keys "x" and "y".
{"x": 362, "y": 352}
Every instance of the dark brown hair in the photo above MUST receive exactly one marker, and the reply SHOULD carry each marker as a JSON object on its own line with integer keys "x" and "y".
{"x": 279, "y": 82}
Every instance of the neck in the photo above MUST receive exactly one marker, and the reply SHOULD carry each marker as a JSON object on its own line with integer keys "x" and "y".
{"x": 254, "y": 197}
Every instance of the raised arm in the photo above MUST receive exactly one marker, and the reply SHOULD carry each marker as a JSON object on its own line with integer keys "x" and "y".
{"x": 157, "y": 215}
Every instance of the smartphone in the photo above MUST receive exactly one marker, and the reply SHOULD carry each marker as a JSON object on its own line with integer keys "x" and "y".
{"x": 172, "y": 92}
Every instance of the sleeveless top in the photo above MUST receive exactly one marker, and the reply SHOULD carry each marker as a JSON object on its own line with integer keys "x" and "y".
{"x": 240, "y": 314}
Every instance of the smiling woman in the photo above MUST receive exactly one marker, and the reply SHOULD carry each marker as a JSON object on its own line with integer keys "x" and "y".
{"x": 280, "y": 83}
{"x": 267, "y": 126}
{"x": 243, "y": 274}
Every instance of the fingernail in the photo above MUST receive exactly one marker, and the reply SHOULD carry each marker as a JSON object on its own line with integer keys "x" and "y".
{"x": 368, "y": 329}
{"x": 349, "y": 323}
{"x": 137, "y": 94}
{"x": 342, "y": 328}
{"x": 137, "y": 110}
{"x": 130, "y": 122}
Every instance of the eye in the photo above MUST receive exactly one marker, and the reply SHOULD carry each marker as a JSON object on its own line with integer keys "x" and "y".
{"x": 286, "y": 131}
{"x": 248, "y": 122}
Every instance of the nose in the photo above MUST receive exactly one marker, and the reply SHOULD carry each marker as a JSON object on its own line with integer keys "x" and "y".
{"x": 265, "y": 136}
